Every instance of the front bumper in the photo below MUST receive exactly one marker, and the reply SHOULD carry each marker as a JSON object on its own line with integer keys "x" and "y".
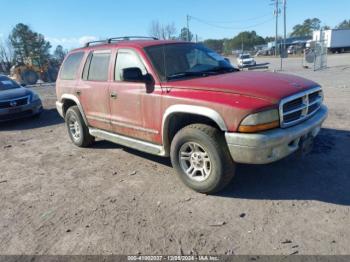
{"x": 59, "y": 107}
{"x": 272, "y": 145}
{"x": 243, "y": 64}
{"x": 27, "y": 110}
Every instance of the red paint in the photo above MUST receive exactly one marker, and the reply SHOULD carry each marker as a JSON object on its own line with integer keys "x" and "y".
{"x": 264, "y": 85}
{"x": 138, "y": 113}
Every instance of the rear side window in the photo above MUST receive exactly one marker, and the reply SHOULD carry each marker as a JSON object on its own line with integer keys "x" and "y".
{"x": 71, "y": 66}
{"x": 97, "y": 65}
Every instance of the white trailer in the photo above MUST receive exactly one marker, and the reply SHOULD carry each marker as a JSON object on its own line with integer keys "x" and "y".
{"x": 337, "y": 40}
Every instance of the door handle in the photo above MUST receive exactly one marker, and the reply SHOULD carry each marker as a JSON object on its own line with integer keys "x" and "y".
{"x": 114, "y": 95}
{"x": 78, "y": 92}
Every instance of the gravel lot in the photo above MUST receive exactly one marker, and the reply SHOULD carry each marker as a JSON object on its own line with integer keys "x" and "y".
{"x": 60, "y": 199}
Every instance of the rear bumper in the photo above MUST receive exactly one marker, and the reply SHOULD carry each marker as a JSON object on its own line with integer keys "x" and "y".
{"x": 272, "y": 145}
{"x": 28, "y": 110}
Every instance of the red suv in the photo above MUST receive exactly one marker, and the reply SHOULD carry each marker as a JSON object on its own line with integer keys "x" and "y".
{"x": 183, "y": 100}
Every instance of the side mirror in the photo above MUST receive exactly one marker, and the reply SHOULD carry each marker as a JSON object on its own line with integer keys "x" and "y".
{"x": 133, "y": 74}
{"x": 23, "y": 85}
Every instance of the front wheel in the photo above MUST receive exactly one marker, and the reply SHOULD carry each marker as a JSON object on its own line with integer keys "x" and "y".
{"x": 201, "y": 158}
{"x": 77, "y": 130}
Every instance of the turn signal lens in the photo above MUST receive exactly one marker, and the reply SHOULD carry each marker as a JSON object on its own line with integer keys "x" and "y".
{"x": 260, "y": 121}
{"x": 258, "y": 128}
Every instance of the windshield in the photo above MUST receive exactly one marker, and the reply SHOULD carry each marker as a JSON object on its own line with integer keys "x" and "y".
{"x": 7, "y": 83}
{"x": 245, "y": 56}
{"x": 174, "y": 61}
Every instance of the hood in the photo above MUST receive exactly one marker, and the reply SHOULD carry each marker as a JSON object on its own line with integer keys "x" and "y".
{"x": 265, "y": 85}
{"x": 14, "y": 93}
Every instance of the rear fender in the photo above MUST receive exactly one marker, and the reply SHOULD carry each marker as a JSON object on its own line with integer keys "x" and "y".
{"x": 65, "y": 97}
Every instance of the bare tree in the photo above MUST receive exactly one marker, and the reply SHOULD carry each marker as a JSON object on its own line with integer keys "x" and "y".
{"x": 170, "y": 31}
{"x": 161, "y": 31}
{"x": 155, "y": 29}
{"x": 6, "y": 55}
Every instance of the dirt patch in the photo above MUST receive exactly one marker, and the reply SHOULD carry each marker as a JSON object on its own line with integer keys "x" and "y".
{"x": 107, "y": 199}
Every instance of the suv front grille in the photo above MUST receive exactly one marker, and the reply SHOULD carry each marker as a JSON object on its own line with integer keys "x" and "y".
{"x": 14, "y": 102}
{"x": 299, "y": 107}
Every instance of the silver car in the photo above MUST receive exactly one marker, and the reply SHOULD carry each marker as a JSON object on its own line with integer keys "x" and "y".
{"x": 245, "y": 60}
{"x": 17, "y": 101}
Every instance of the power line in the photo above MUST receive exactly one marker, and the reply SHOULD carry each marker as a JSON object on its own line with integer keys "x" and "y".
{"x": 228, "y": 27}
{"x": 231, "y": 21}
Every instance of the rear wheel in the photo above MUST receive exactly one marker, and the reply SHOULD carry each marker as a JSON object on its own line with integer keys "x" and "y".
{"x": 77, "y": 130}
{"x": 201, "y": 158}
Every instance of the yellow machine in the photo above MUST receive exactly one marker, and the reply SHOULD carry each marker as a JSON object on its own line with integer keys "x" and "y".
{"x": 30, "y": 72}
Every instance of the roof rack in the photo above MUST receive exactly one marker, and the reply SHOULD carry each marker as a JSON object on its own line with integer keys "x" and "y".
{"x": 121, "y": 38}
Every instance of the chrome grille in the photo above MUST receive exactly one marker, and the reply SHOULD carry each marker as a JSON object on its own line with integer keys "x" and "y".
{"x": 297, "y": 108}
{"x": 15, "y": 102}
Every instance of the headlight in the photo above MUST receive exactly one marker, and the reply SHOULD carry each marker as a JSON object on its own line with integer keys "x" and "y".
{"x": 260, "y": 121}
{"x": 35, "y": 97}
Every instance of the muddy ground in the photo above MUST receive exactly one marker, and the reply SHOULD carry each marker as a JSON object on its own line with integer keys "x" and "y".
{"x": 56, "y": 198}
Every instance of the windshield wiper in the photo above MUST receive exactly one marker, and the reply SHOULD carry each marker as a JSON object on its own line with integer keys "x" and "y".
{"x": 185, "y": 74}
{"x": 221, "y": 69}
{"x": 214, "y": 70}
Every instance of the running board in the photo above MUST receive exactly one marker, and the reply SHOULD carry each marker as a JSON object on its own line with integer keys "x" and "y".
{"x": 128, "y": 142}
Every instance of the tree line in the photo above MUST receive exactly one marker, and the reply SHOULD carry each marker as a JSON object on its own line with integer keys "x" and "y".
{"x": 247, "y": 39}
{"x": 25, "y": 46}
{"x": 250, "y": 39}
{"x": 169, "y": 32}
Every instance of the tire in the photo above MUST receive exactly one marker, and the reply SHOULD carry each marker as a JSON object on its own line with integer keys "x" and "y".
{"x": 202, "y": 147}
{"x": 29, "y": 77}
{"x": 77, "y": 130}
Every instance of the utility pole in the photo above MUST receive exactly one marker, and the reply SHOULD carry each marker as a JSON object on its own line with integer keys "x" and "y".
{"x": 276, "y": 14}
{"x": 283, "y": 55}
{"x": 188, "y": 27}
{"x": 285, "y": 23}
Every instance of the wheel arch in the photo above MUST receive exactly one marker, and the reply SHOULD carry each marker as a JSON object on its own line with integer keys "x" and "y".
{"x": 69, "y": 100}
{"x": 188, "y": 114}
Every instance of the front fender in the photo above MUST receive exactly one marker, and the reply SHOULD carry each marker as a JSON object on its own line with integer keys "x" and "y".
{"x": 189, "y": 109}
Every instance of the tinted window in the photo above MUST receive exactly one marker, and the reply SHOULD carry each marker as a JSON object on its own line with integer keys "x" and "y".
{"x": 87, "y": 67}
{"x": 71, "y": 66}
{"x": 99, "y": 65}
{"x": 127, "y": 59}
{"x": 7, "y": 83}
{"x": 173, "y": 59}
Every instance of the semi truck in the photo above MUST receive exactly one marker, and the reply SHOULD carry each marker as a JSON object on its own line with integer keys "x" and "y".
{"x": 337, "y": 40}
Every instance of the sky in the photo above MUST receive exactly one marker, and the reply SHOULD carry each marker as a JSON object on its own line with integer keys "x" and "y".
{"x": 73, "y": 22}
